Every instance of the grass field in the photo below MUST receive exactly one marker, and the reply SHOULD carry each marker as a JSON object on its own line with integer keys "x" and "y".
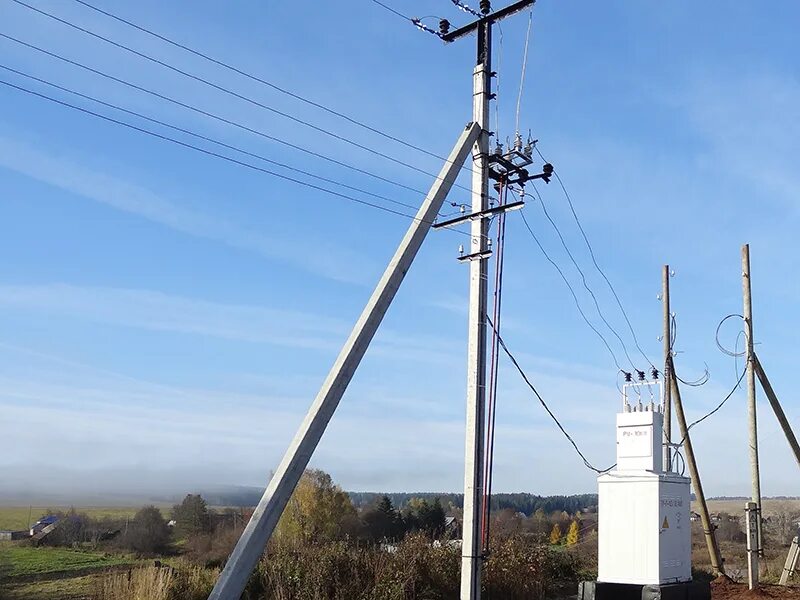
{"x": 20, "y": 561}
{"x": 16, "y": 517}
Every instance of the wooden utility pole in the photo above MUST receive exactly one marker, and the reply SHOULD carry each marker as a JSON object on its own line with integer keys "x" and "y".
{"x": 755, "y": 477}
{"x": 694, "y": 473}
{"x": 776, "y": 407}
{"x": 667, "y": 370}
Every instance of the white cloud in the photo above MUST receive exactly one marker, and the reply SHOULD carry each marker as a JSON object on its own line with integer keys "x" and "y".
{"x": 327, "y": 260}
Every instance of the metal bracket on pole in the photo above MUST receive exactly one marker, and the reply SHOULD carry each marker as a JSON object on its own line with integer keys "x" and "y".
{"x": 251, "y": 544}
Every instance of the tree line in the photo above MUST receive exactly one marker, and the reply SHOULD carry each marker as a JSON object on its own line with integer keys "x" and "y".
{"x": 520, "y": 502}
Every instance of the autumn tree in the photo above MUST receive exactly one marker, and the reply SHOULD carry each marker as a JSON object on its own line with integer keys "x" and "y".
{"x": 318, "y": 510}
{"x": 572, "y": 534}
{"x": 555, "y": 534}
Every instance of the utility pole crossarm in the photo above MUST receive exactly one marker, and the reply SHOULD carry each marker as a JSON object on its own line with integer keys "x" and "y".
{"x": 487, "y": 20}
{"x": 251, "y": 544}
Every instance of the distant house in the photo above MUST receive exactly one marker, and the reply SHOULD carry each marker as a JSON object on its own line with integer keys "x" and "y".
{"x": 42, "y": 523}
{"x": 693, "y": 516}
{"x": 452, "y": 528}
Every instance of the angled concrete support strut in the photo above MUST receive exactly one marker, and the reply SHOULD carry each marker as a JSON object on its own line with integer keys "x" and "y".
{"x": 251, "y": 544}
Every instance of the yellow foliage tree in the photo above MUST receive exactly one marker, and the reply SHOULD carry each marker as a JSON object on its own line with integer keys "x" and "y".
{"x": 572, "y": 534}
{"x": 318, "y": 510}
{"x": 555, "y": 534}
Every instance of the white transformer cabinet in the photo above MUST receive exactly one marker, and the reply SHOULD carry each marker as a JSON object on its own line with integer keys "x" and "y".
{"x": 644, "y": 526}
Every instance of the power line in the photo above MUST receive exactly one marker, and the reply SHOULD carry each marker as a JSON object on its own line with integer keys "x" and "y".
{"x": 544, "y": 404}
{"x": 211, "y": 115}
{"x": 417, "y": 22}
{"x": 594, "y": 261}
{"x": 571, "y": 290}
{"x": 583, "y": 277}
{"x": 719, "y": 406}
{"x": 524, "y": 67}
{"x": 228, "y": 91}
{"x": 263, "y": 81}
{"x": 390, "y": 9}
{"x": 208, "y": 139}
{"x": 212, "y": 153}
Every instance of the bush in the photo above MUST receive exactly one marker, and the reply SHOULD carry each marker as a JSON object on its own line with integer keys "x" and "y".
{"x": 147, "y": 532}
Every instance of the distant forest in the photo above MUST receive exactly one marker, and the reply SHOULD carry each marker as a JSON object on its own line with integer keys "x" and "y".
{"x": 521, "y": 502}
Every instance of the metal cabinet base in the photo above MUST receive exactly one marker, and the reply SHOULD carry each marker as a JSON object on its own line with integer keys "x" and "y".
{"x": 690, "y": 590}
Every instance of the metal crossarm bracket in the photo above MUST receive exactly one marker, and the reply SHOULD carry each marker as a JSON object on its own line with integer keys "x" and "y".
{"x": 487, "y": 20}
{"x": 481, "y": 214}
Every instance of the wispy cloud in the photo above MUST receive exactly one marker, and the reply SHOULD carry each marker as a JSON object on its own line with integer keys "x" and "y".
{"x": 328, "y": 260}
{"x": 163, "y": 312}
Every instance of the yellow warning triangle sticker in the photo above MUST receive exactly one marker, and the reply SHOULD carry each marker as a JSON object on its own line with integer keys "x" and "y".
{"x": 666, "y": 524}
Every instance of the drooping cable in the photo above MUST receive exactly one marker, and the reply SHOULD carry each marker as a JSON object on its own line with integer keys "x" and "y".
{"x": 571, "y": 290}
{"x": 594, "y": 260}
{"x": 210, "y": 115}
{"x": 722, "y": 348}
{"x": 212, "y": 153}
{"x": 493, "y": 370}
{"x": 545, "y": 406}
{"x": 209, "y": 139}
{"x": 583, "y": 278}
{"x": 524, "y": 68}
{"x": 716, "y": 409}
{"x": 230, "y": 92}
{"x": 263, "y": 81}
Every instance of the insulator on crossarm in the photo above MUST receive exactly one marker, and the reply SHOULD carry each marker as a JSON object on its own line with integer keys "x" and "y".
{"x": 444, "y": 27}
{"x": 547, "y": 169}
{"x": 518, "y": 142}
{"x": 486, "y": 7}
{"x": 628, "y": 377}
{"x": 498, "y": 149}
{"x": 654, "y": 373}
{"x": 641, "y": 375}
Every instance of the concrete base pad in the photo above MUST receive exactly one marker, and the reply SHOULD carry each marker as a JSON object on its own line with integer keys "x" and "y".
{"x": 597, "y": 590}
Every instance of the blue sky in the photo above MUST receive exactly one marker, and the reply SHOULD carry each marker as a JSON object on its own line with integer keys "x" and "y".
{"x": 170, "y": 316}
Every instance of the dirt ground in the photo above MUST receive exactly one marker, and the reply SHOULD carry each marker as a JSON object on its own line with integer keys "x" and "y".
{"x": 724, "y": 589}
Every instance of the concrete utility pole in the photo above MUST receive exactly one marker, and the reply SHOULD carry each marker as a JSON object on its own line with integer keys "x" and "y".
{"x": 251, "y": 544}
{"x": 471, "y": 552}
{"x": 667, "y": 370}
{"x": 694, "y": 473}
{"x": 776, "y": 407}
{"x": 751, "y": 392}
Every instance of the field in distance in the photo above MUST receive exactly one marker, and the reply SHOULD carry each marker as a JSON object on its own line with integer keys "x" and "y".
{"x": 15, "y": 518}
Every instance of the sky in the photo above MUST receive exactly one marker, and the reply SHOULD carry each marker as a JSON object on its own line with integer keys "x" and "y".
{"x": 167, "y": 317}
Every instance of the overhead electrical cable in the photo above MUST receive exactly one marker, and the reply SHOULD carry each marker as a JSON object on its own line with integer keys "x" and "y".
{"x": 209, "y": 139}
{"x": 524, "y": 68}
{"x": 583, "y": 278}
{"x": 571, "y": 290}
{"x": 497, "y": 298}
{"x": 546, "y": 407}
{"x": 263, "y": 81}
{"x": 210, "y": 115}
{"x": 228, "y": 91}
{"x": 594, "y": 260}
{"x": 213, "y": 154}
{"x": 716, "y": 409}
